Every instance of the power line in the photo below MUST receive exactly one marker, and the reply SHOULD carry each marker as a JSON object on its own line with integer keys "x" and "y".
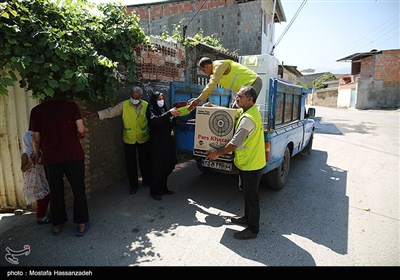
{"x": 380, "y": 35}
{"x": 287, "y": 27}
{"x": 186, "y": 26}
{"x": 362, "y": 39}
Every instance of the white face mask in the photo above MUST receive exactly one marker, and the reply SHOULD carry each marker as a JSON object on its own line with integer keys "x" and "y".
{"x": 160, "y": 103}
{"x": 135, "y": 101}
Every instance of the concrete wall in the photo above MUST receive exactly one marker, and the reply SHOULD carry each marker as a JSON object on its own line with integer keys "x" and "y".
{"x": 239, "y": 26}
{"x": 325, "y": 97}
{"x": 374, "y": 94}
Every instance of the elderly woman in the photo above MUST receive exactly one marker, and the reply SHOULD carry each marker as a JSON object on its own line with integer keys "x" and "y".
{"x": 162, "y": 144}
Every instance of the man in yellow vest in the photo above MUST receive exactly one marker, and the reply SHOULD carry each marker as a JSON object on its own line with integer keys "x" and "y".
{"x": 248, "y": 145}
{"x": 227, "y": 73}
{"x": 135, "y": 135}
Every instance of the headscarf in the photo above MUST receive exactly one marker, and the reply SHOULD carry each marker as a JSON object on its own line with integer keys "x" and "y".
{"x": 27, "y": 146}
{"x": 153, "y": 103}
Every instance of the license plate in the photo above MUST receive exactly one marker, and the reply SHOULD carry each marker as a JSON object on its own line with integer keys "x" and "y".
{"x": 220, "y": 165}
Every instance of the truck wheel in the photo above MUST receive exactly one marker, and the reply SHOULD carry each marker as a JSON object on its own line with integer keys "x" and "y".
{"x": 276, "y": 178}
{"x": 308, "y": 148}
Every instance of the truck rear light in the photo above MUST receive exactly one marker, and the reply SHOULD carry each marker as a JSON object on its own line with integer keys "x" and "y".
{"x": 267, "y": 150}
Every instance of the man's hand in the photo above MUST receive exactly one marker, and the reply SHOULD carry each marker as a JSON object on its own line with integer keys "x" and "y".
{"x": 88, "y": 114}
{"x": 213, "y": 155}
{"x": 174, "y": 112}
{"x": 193, "y": 103}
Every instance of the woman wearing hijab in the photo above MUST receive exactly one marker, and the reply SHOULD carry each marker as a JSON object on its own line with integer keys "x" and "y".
{"x": 162, "y": 144}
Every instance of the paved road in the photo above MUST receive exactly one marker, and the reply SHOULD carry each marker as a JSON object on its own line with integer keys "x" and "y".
{"x": 340, "y": 207}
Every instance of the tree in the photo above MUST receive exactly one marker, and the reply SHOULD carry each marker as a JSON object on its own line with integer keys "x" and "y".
{"x": 68, "y": 48}
{"x": 319, "y": 83}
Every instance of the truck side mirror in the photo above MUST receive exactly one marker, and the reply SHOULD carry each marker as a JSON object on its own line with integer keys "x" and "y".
{"x": 311, "y": 112}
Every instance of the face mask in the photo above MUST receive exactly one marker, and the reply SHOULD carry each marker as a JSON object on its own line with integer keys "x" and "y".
{"x": 135, "y": 101}
{"x": 160, "y": 103}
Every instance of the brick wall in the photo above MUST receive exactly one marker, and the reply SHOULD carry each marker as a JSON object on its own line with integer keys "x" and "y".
{"x": 379, "y": 81}
{"x": 168, "y": 9}
{"x": 384, "y": 66}
{"x": 165, "y": 62}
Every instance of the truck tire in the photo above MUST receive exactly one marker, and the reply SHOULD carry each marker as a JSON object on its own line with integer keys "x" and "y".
{"x": 308, "y": 148}
{"x": 276, "y": 178}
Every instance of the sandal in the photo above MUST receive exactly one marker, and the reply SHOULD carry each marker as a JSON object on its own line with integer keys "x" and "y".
{"x": 56, "y": 230}
{"x": 44, "y": 220}
{"x": 82, "y": 233}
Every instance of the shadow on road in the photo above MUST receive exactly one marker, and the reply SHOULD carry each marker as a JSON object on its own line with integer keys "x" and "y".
{"x": 302, "y": 215}
{"x": 134, "y": 230}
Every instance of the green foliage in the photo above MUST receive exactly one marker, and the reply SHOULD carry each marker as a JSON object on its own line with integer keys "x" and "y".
{"x": 68, "y": 48}
{"x": 195, "y": 40}
{"x": 319, "y": 83}
{"x": 304, "y": 85}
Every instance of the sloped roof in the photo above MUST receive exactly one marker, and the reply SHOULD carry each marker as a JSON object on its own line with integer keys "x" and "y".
{"x": 211, "y": 49}
{"x": 280, "y": 14}
{"x": 358, "y": 56}
{"x": 293, "y": 69}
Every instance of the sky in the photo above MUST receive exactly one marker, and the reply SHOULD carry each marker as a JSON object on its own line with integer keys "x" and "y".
{"x": 325, "y": 31}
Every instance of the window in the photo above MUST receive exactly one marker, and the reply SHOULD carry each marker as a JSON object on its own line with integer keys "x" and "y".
{"x": 280, "y": 101}
{"x": 287, "y": 105}
{"x": 355, "y": 67}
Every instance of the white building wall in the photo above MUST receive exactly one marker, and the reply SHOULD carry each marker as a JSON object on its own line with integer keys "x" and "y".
{"x": 268, "y": 28}
{"x": 344, "y": 98}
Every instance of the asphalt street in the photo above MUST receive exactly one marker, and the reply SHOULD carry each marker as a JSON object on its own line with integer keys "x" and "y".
{"x": 339, "y": 207}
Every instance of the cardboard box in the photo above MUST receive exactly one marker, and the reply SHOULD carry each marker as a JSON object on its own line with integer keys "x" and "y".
{"x": 214, "y": 128}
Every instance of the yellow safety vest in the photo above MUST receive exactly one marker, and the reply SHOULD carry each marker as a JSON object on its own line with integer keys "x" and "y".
{"x": 135, "y": 126}
{"x": 238, "y": 76}
{"x": 251, "y": 155}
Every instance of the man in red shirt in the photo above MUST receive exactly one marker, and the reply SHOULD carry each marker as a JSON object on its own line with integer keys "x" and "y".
{"x": 57, "y": 125}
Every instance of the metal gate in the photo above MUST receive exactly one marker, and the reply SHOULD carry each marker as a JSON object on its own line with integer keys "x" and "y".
{"x": 14, "y": 117}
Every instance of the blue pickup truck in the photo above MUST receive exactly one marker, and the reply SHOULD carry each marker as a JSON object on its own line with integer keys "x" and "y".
{"x": 288, "y": 128}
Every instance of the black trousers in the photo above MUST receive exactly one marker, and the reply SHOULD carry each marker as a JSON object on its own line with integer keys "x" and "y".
{"x": 75, "y": 173}
{"x": 143, "y": 151}
{"x": 159, "y": 183}
{"x": 250, "y": 181}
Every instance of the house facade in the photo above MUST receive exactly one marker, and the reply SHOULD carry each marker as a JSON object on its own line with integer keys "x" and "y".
{"x": 374, "y": 82}
{"x": 243, "y": 26}
{"x": 289, "y": 73}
